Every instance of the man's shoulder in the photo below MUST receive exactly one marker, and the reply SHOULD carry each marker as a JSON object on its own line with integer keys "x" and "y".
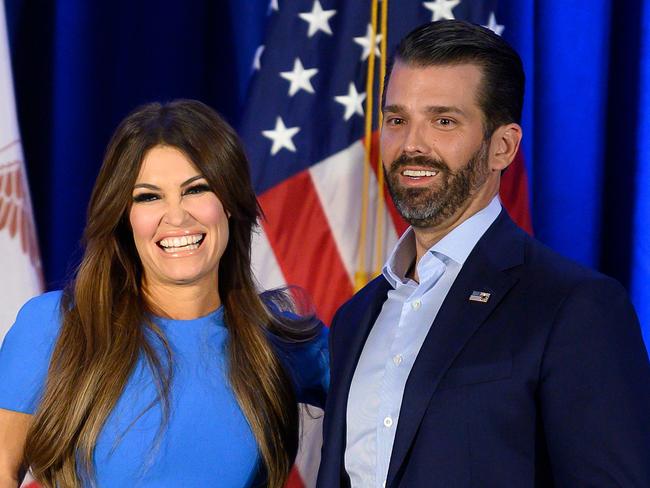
{"x": 539, "y": 262}
{"x": 375, "y": 289}
{"x": 378, "y": 286}
{"x": 550, "y": 267}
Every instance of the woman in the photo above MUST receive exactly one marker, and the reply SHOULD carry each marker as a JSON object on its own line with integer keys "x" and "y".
{"x": 160, "y": 364}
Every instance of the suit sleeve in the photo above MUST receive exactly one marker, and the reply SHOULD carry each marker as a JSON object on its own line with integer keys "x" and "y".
{"x": 595, "y": 390}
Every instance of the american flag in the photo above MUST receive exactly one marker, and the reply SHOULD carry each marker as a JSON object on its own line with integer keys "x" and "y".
{"x": 310, "y": 128}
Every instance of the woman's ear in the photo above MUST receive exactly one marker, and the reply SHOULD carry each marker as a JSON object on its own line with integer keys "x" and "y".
{"x": 504, "y": 146}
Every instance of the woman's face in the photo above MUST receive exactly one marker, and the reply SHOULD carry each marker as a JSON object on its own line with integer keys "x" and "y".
{"x": 179, "y": 225}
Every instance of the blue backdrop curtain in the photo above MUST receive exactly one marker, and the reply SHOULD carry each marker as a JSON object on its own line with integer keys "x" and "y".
{"x": 81, "y": 66}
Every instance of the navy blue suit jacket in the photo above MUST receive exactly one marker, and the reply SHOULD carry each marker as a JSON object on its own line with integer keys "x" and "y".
{"x": 546, "y": 384}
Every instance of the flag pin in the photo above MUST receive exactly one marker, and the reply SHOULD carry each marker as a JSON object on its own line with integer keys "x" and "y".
{"x": 479, "y": 296}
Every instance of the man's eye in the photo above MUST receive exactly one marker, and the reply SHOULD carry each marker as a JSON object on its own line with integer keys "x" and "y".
{"x": 197, "y": 189}
{"x": 395, "y": 121}
{"x": 145, "y": 197}
{"x": 444, "y": 122}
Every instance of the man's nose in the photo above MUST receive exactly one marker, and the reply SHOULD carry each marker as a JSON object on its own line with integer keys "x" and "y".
{"x": 415, "y": 140}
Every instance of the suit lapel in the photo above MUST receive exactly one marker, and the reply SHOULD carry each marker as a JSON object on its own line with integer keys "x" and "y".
{"x": 456, "y": 322}
{"x": 355, "y": 324}
{"x": 362, "y": 320}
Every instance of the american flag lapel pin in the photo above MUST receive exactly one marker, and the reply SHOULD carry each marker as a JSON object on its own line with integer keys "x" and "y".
{"x": 479, "y": 296}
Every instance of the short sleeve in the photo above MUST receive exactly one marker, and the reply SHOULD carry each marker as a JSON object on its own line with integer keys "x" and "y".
{"x": 26, "y": 351}
{"x": 308, "y": 365}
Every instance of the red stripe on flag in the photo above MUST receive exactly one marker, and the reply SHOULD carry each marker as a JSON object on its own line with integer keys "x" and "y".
{"x": 302, "y": 241}
{"x": 294, "y": 481}
{"x": 514, "y": 193}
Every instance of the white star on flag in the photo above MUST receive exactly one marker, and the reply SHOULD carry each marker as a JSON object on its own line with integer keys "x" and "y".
{"x": 273, "y": 6}
{"x": 364, "y": 42}
{"x": 318, "y": 19}
{"x": 353, "y": 102}
{"x": 441, "y": 9}
{"x": 493, "y": 26}
{"x": 299, "y": 78}
{"x": 257, "y": 59}
{"x": 281, "y": 136}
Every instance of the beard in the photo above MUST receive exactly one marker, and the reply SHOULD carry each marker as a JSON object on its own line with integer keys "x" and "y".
{"x": 430, "y": 206}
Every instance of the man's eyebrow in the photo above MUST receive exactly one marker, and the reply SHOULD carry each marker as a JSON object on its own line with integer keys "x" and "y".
{"x": 432, "y": 109}
{"x": 154, "y": 187}
{"x": 444, "y": 109}
{"x": 394, "y": 109}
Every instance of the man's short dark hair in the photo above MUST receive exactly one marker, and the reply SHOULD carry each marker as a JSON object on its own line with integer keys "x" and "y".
{"x": 451, "y": 42}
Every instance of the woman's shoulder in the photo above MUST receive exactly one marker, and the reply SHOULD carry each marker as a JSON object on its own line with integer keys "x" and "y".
{"x": 26, "y": 351}
{"x": 39, "y": 317}
{"x": 44, "y": 304}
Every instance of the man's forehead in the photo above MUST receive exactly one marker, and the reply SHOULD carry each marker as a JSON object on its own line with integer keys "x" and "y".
{"x": 448, "y": 85}
{"x": 462, "y": 68}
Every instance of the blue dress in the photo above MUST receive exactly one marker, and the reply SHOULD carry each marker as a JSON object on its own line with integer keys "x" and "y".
{"x": 207, "y": 441}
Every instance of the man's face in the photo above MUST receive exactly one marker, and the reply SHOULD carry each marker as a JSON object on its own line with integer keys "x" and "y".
{"x": 432, "y": 141}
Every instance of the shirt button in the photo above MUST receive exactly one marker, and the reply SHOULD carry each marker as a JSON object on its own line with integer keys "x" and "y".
{"x": 416, "y": 304}
{"x": 397, "y": 359}
{"x": 388, "y": 421}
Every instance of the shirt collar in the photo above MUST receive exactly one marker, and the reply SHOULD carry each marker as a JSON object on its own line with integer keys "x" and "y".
{"x": 457, "y": 245}
{"x": 459, "y": 242}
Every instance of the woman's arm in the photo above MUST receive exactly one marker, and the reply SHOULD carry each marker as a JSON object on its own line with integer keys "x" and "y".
{"x": 13, "y": 433}
{"x": 24, "y": 359}
{"x": 307, "y": 363}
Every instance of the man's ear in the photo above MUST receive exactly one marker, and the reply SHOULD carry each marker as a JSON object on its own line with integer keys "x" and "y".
{"x": 504, "y": 145}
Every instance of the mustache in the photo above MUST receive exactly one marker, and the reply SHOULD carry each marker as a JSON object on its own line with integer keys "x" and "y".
{"x": 424, "y": 161}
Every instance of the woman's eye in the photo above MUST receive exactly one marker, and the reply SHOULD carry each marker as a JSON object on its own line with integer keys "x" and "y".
{"x": 196, "y": 189}
{"x": 145, "y": 197}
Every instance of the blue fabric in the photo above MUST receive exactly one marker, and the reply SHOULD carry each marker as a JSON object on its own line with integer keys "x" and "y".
{"x": 586, "y": 136}
{"x": 641, "y": 235}
{"x": 568, "y": 161}
{"x": 207, "y": 441}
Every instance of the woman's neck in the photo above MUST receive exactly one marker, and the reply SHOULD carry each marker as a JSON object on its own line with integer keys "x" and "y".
{"x": 182, "y": 302}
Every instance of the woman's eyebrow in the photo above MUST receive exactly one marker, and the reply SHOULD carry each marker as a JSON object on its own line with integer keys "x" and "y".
{"x": 154, "y": 187}
{"x": 146, "y": 185}
{"x": 192, "y": 179}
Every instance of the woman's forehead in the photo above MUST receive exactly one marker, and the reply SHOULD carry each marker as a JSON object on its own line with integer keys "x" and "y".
{"x": 166, "y": 163}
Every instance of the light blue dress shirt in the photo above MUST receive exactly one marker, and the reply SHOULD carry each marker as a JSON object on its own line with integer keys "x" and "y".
{"x": 393, "y": 344}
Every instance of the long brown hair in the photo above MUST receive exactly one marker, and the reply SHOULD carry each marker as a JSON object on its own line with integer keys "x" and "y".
{"x": 105, "y": 318}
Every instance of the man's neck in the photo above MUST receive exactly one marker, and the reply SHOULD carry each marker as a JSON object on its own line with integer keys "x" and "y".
{"x": 427, "y": 237}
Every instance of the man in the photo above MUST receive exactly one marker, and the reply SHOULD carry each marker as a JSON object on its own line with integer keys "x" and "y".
{"x": 479, "y": 357}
